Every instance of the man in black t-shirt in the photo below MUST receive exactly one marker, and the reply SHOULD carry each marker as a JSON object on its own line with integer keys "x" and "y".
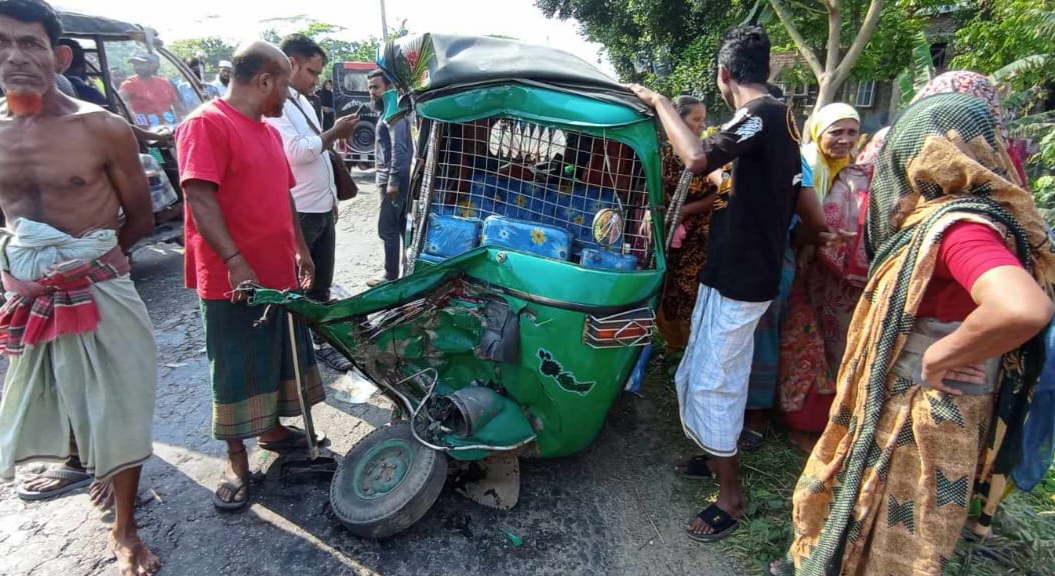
{"x": 745, "y": 253}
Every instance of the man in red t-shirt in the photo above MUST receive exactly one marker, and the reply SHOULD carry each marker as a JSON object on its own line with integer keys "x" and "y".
{"x": 150, "y": 97}
{"x": 241, "y": 228}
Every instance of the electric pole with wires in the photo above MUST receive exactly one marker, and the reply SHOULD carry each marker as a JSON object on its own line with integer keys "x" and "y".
{"x": 384, "y": 24}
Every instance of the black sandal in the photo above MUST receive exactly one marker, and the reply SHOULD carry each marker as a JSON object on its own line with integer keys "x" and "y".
{"x": 750, "y": 440}
{"x": 722, "y": 523}
{"x": 695, "y": 467}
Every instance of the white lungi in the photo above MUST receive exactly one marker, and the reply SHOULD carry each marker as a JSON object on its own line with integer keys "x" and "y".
{"x": 99, "y": 385}
{"x": 713, "y": 375}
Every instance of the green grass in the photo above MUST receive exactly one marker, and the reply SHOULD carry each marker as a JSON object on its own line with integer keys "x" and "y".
{"x": 1024, "y": 526}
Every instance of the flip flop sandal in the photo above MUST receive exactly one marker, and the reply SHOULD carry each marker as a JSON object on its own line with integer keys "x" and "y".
{"x": 750, "y": 440}
{"x": 695, "y": 467}
{"x": 295, "y": 442}
{"x": 234, "y": 487}
{"x": 722, "y": 524}
{"x": 77, "y": 480}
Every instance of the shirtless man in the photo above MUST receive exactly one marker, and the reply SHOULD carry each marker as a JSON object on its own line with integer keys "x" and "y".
{"x": 66, "y": 168}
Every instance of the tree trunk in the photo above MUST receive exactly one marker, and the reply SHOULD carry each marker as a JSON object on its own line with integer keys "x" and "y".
{"x": 826, "y": 94}
{"x": 832, "y": 73}
{"x": 829, "y": 89}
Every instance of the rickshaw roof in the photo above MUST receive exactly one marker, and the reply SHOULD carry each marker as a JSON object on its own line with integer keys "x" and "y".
{"x": 77, "y": 24}
{"x": 437, "y": 65}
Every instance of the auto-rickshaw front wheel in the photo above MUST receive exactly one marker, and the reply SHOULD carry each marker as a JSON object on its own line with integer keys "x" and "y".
{"x": 387, "y": 482}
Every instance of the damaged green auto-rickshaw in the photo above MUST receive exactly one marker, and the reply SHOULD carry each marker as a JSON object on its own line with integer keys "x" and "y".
{"x": 535, "y": 259}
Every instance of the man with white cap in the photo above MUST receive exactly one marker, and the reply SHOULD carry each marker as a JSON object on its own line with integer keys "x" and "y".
{"x": 223, "y": 79}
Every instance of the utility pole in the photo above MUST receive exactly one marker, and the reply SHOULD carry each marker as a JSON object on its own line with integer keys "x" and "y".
{"x": 384, "y": 24}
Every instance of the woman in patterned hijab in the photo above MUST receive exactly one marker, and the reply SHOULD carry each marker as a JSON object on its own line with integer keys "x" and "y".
{"x": 956, "y": 82}
{"x": 916, "y": 439}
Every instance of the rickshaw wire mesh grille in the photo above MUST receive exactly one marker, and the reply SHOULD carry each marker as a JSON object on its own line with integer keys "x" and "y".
{"x": 559, "y": 178}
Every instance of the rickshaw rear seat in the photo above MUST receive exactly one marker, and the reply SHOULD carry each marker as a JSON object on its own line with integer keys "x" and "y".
{"x": 503, "y": 196}
{"x": 448, "y": 236}
{"x": 525, "y": 205}
{"x": 606, "y": 260}
{"x": 532, "y": 237}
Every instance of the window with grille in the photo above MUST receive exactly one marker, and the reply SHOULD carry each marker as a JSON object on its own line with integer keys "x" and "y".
{"x": 863, "y": 93}
{"x": 813, "y": 92}
{"x": 510, "y": 176}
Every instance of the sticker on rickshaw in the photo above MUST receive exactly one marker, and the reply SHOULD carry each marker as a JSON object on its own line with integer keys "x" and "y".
{"x": 565, "y": 379}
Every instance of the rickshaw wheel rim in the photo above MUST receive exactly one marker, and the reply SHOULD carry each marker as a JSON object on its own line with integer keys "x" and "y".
{"x": 382, "y": 469}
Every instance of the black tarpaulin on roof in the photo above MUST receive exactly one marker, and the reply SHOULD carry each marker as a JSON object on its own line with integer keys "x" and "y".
{"x": 76, "y": 24}
{"x": 434, "y": 64}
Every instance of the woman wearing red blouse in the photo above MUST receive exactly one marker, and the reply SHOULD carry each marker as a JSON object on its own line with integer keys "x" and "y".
{"x": 968, "y": 251}
{"x": 942, "y": 356}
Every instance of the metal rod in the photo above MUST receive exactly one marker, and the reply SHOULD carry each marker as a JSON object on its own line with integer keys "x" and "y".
{"x": 677, "y": 203}
{"x": 421, "y": 219}
{"x": 305, "y": 410}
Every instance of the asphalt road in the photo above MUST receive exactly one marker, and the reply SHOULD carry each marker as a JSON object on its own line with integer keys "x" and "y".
{"x": 614, "y": 509}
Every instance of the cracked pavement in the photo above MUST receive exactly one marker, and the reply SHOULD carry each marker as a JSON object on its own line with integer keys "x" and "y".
{"x": 617, "y": 508}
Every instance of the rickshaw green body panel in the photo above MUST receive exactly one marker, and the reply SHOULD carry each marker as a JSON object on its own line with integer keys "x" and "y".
{"x": 531, "y": 103}
{"x": 562, "y": 388}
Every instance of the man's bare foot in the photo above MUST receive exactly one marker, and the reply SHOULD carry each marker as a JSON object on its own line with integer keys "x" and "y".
{"x": 804, "y": 441}
{"x": 133, "y": 557}
{"x": 102, "y": 494}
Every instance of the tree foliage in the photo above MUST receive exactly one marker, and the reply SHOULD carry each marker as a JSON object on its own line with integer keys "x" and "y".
{"x": 921, "y": 71}
{"x": 669, "y": 44}
{"x": 210, "y": 50}
{"x": 331, "y": 39}
{"x": 673, "y": 43}
{"x": 1014, "y": 40}
{"x": 845, "y": 39}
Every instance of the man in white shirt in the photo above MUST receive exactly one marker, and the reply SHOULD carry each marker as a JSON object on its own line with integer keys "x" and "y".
{"x": 315, "y": 193}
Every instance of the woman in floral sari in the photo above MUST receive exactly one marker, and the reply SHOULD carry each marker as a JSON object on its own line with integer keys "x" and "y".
{"x": 823, "y": 296}
{"x": 686, "y": 258}
{"x": 943, "y": 354}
